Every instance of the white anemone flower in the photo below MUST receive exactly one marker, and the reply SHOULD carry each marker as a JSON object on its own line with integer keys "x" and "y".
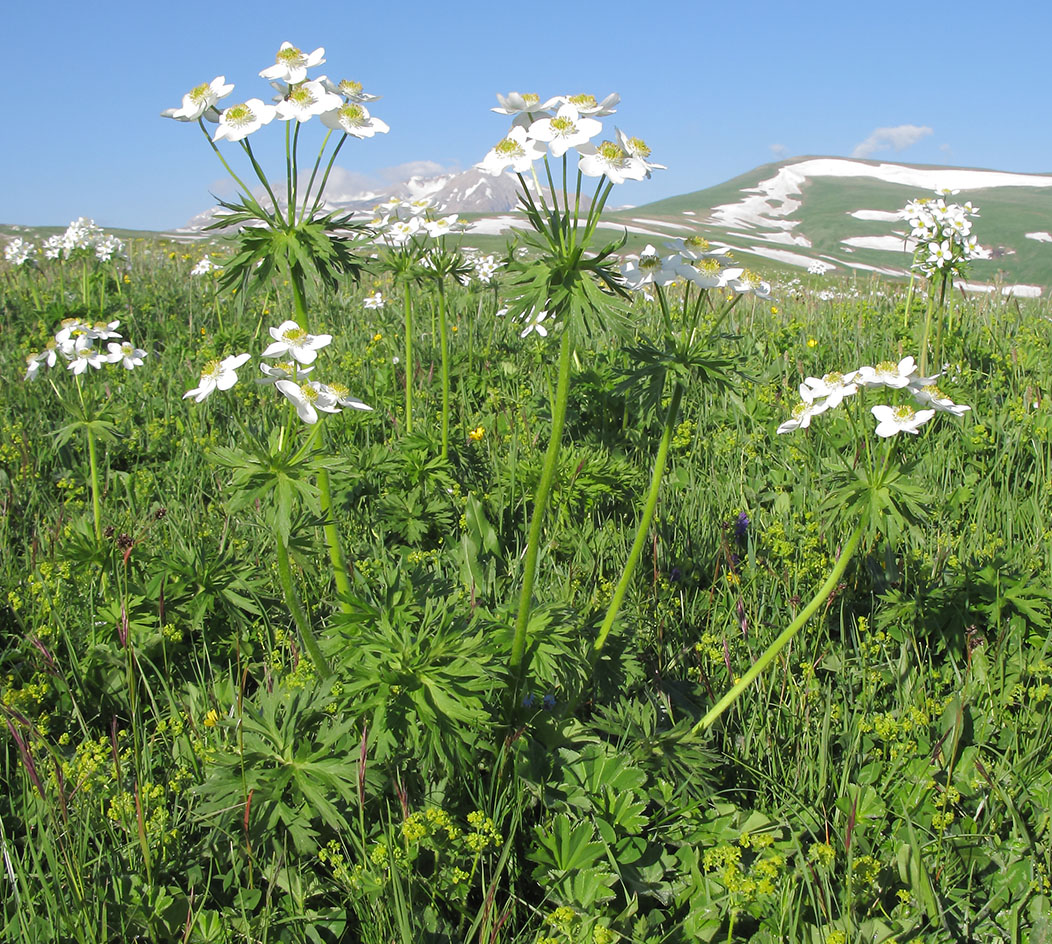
{"x": 17, "y": 251}
{"x": 746, "y": 282}
{"x": 200, "y": 101}
{"x": 705, "y": 273}
{"x": 217, "y": 375}
{"x": 342, "y": 395}
{"x": 931, "y": 396}
{"x": 648, "y": 268}
{"x": 239, "y": 121}
{"x": 524, "y": 103}
{"x": 376, "y": 300}
{"x": 535, "y": 324}
{"x": 349, "y": 90}
{"x": 290, "y": 337}
{"x": 354, "y": 119}
{"x": 899, "y": 419}
{"x": 803, "y": 411}
{"x": 637, "y": 148}
{"x": 565, "y": 130}
{"x": 441, "y": 226}
{"x": 306, "y": 100}
{"x": 291, "y": 64}
{"x": 609, "y": 159}
{"x": 587, "y": 105}
{"x": 86, "y": 355}
{"x": 308, "y": 398}
{"x": 283, "y": 370}
{"x": 890, "y": 374}
{"x": 126, "y": 354}
{"x": 834, "y": 386}
{"x": 517, "y": 151}
{"x": 205, "y": 266}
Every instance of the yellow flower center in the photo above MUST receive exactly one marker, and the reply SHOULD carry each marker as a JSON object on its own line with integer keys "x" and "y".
{"x": 211, "y": 370}
{"x": 903, "y": 413}
{"x": 834, "y": 379}
{"x": 563, "y": 125}
{"x": 531, "y": 98}
{"x": 294, "y": 336}
{"x": 309, "y": 393}
{"x": 610, "y": 152}
{"x": 291, "y": 57}
{"x": 302, "y": 96}
{"x": 509, "y": 147}
{"x": 339, "y": 391}
{"x": 239, "y": 115}
{"x": 351, "y": 115}
{"x": 638, "y": 147}
{"x": 199, "y": 93}
{"x": 583, "y": 101}
{"x": 350, "y": 88}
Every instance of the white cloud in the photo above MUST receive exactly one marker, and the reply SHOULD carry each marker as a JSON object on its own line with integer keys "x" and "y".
{"x": 402, "y": 172}
{"x": 778, "y": 150}
{"x": 898, "y": 138}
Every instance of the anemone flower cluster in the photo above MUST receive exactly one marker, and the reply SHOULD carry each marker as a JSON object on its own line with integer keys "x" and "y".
{"x": 294, "y": 352}
{"x": 821, "y": 394}
{"x": 398, "y": 222}
{"x": 559, "y": 125}
{"x": 18, "y": 251}
{"x": 81, "y": 238}
{"x": 691, "y": 260}
{"x": 79, "y": 345}
{"x": 943, "y": 234}
{"x": 340, "y": 105}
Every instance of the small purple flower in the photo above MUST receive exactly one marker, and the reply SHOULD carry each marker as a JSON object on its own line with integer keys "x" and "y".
{"x": 548, "y": 702}
{"x": 529, "y": 700}
{"x": 741, "y": 526}
{"x": 675, "y": 575}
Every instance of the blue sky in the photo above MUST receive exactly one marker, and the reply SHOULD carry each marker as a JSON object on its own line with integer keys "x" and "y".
{"x": 715, "y": 89}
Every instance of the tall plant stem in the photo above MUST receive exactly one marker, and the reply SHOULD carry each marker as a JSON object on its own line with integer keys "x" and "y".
{"x": 643, "y": 530}
{"x": 292, "y": 601}
{"x": 443, "y": 334}
{"x": 540, "y": 502}
{"x": 96, "y": 508}
{"x": 823, "y": 594}
{"x": 408, "y": 358}
{"x": 299, "y": 301}
{"x": 927, "y": 331}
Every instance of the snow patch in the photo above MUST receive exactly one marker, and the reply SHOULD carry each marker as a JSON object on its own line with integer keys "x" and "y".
{"x": 649, "y": 222}
{"x": 881, "y": 216}
{"x": 887, "y": 243}
{"x": 1040, "y": 237}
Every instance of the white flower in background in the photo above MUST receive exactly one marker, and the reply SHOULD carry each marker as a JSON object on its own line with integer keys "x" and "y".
{"x": 818, "y": 268}
{"x": 291, "y": 64}
{"x": 834, "y": 386}
{"x": 515, "y": 103}
{"x": 200, "y": 101}
{"x": 609, "y": 159}
{"x": 306, "y": 100}
{"x": 283, "y": 370}
{"x": 239, "y": 121}
{"x": 86, "y": 355}
{"x": 930, "y": 395}
{"x": 694, "y": 248}
{"x": 587, "y": 105}
{"x": 441, "y": 226}
{"x": 342, "y": 396}
{"x": 126, "y": 354}
{"x": 485, "y": 268}
{"x": 354, "y": 119}
{"x": 565, "y": 130}
{"x": 290, "y": 337}
{"x": 899, "y": 419}
{"x": 534, "y": 323}
{"x": 217, "y": 375}
{"x": 349, "y": 90}
{"x": 308, "y": 398}
{"x": 637, "y": 148}
{"x": 47, "y": 356}
{"x": 53, "y": 246}
{"x": 17, "y": 251}
{"x": 803, "y": 411}
{"x": 376, "y": 300}
{"x": 705, "y": 273}
{"x": 205, "y": 266}
{"x": 82, "y": 233}
{"x": 517, "y": 151}
{"x": 101, "y": 330}
{"x": 746, "y": 282}
{"x": 889, "y": 374}
{"x": 648, "y": 268}
{"x": 107, "y": 247}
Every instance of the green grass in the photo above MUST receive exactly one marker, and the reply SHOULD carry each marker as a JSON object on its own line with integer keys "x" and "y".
{"x": 175, "y": 770}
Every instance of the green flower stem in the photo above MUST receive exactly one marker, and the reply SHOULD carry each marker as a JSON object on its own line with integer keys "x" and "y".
{"x": 938, "y": 325}
{"x": 408, "y": 357}
{"x": 644, "y": 525}
{"x": 96, "y": 508}
{"x": 299, "y": 301}
{"x": 219, "y": 154}
{"x": 261, "y": 175}
{"x": 788, "y": 633}
{"x": 540, "y": 502}
{"x": 443, "y": 334}
{"x": 325, "y": 178}
{"x": 292, "y": 601}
